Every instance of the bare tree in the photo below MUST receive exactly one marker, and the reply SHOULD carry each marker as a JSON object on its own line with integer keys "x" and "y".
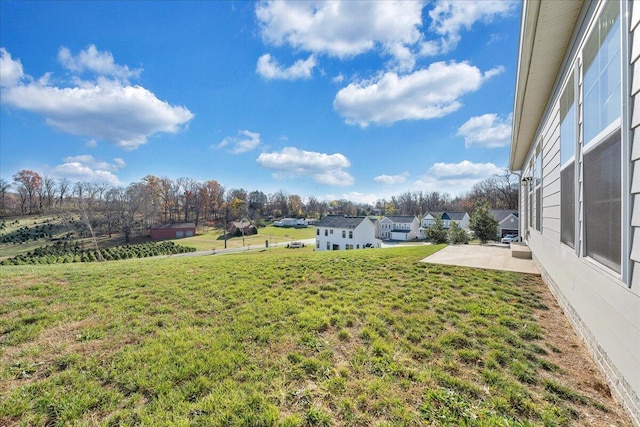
{"x": 88, "y": 200}
{"x": 127, "y": 204}
{"x": 4, "y": 186}
{"x": 63, "y": 189}
{"x": 500, "y": 191}
{"x": 28, "y": 183}
{"x": 48, "y": 191}
{"x": 212, "y": 196}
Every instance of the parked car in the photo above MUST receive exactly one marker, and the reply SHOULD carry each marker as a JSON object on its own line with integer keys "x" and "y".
{"x": 508, "y": 238}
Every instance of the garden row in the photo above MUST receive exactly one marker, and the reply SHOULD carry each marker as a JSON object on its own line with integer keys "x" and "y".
{"x": 43, "y": 231}
{"x": 64, "y": 252}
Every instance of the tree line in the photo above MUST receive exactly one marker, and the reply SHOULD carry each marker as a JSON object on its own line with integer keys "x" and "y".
{"x": 164, "y": 200}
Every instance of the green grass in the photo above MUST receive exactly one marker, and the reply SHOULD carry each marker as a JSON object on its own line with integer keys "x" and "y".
{"x": 290, "y": 338}
{"x": 210, "y": 238}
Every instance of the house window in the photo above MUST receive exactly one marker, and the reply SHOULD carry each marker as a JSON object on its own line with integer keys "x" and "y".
{"x": 328, "y": 246}
{"x": 602, "y": 140}
{"x": 317, "y": 231}
{"x": 331, "y": 231}
{"x": 349, "y": 246}
{"x": 567, "y": 161}
{"x": 326, "y": 232}
{"x": 317, "y": 245}
{"x": 351, "y": 234}
{"x": 344, "y": 234}
{"x": 601, "y": 57}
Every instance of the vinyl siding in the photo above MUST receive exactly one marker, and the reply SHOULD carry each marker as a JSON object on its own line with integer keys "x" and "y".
{"x": 634, "y": 27}
{"x": 551, "y": 176}
{"x": 602, "y": 307}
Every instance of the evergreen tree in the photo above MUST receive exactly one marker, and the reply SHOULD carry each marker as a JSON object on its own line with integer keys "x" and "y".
{"x": 483, "y": 224}
{"x": 457, "y": 235}
{"x": 435, "y": 233}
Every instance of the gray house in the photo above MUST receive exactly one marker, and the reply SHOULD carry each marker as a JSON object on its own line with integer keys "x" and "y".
{"x": 508, "y": 222}
{"x": 576, "y": 144}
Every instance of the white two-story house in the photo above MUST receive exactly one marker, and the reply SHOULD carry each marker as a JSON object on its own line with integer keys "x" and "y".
{"x": 398, "y": 227}
{"x": 338, "y": 232}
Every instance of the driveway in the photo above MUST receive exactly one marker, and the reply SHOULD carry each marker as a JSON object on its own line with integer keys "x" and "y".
{"x": 491, "y": 257}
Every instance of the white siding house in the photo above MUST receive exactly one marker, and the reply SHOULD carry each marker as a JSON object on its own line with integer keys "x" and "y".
{"x": 398, "y": 227}
{"x": 459, "y": 217}
{"x": 338, "y": 232}
{"x": 576, "y": 144}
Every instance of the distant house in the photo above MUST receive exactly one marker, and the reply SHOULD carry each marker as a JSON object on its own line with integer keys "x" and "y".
{"x": 460, "y": 217}
{"x": 290, "y": 222}
{"x": 398, "y": 227}
{"x": 508, "y": 221}
{"x": 172, "y": 231}
{"x": 242, "y": 228}
{"x": 338, "y": 232}
{"x": 429, "y": 218}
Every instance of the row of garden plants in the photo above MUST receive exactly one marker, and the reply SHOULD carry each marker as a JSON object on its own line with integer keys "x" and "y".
{"x": 25, "y": 234}
{"x": 66, "y": 252}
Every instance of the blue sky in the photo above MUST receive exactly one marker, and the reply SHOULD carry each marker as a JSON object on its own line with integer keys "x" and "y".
{"x": 357, "y": 100}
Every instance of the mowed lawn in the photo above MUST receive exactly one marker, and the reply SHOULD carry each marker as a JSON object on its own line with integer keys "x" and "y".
{"x": 351, "y": 338}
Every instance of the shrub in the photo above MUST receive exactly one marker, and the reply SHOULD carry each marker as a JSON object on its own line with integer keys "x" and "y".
{"x": 457, "y": 235}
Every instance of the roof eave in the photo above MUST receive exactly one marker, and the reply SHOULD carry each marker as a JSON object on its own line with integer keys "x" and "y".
{"x": 546, "y": 29}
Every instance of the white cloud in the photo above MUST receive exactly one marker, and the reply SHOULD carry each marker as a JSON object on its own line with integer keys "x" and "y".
{"x": 104, "y": 109}
{"x": 338, "y": 79}
{"x": 456, "y": 178}
{"x": 391, "y": 179}
{"x": 270, "y": 69}
{"x": 243, "y": 142}
{"x": 450, "y": 17}
{"x": 85, "y": 168}
{"x": 357, "y": 197}
{"x": 10, "y": 71}
{"x": 91, "y": 59}
{"x": 326, "y": 169}
{"x": 425, "y": 94}
{"x": 343, "y": 29}
{"x": 488, "y": 131}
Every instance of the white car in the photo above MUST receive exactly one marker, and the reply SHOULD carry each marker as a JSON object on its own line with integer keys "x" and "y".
{"x": 508, "y": 238}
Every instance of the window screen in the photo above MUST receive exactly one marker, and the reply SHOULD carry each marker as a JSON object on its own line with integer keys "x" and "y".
{"x": 538, "y": 207}
{"x": 602, "y": 200}
{"x": 567, "y": 205}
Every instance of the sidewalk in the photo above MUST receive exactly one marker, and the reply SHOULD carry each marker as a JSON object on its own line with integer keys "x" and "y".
{"x": 492, "y": 257}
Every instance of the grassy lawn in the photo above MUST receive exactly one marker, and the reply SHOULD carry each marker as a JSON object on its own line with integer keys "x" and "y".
{"x": 351, "y": 338}
{"x": 277, "y": 236}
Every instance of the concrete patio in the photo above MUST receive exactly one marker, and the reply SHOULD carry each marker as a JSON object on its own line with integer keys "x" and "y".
{"x": 492, "y": 257}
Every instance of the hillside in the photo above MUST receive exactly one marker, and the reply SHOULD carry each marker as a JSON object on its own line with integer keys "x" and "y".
{"x": 366, "y": 337}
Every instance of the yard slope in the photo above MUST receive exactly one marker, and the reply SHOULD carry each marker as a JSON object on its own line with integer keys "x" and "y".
{"x": 347, "y": 338}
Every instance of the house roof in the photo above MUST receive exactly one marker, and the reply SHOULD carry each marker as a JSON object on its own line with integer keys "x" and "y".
{"x": 501, "y": 214}
{"x": 173, "y": 226}
{"x": 340, "y": 221}
{"x": 434, "y": 214}
{"x": 241, "y": 224}
{"x": 455, "y": 216}
{"x": 546, "y": 28}
{"x": 402, "y": 219}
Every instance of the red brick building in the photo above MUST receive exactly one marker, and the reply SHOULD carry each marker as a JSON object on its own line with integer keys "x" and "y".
{"x": 173, "y": 231}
